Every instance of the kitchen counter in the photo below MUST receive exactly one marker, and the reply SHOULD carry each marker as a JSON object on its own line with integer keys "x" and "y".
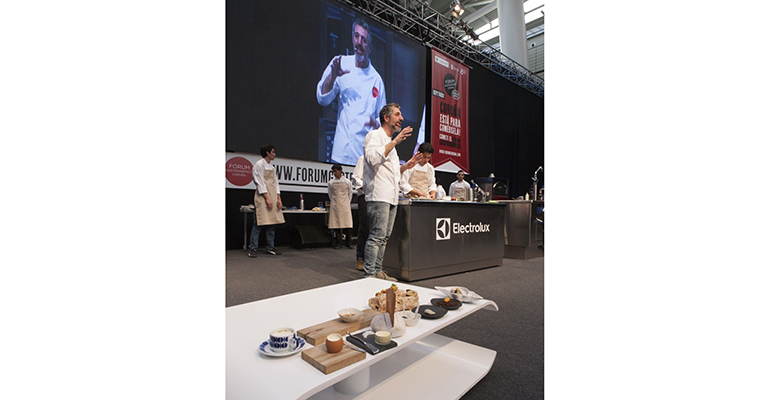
{"x": 433, "y": 238}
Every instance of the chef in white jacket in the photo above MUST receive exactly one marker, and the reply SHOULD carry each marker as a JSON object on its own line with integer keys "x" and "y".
{"x": 267, "y": 202}
{"x": 460, "y": 189}
{"x": 361, "y": 93}
{"x": 382, "y": 172}
{"x": 420, "y": 181}
{"x": 440, "y": 192}
{"x": 340, "y": 217}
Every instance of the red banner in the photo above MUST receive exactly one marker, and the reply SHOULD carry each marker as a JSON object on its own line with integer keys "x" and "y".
{"x": 449, "y": 121}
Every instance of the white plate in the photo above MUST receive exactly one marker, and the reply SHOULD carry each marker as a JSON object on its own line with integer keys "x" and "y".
{"x": 468, "y": 297}
{"x": 265, "y": 349}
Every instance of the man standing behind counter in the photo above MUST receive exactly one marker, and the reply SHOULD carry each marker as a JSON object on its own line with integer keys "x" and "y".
{"x": 361, "y": 92}
{"x": 382, "y": 174}
{"x": 460, "y": 189}
{"x": 267, "y": 201}
{"x": 420, "y": 181}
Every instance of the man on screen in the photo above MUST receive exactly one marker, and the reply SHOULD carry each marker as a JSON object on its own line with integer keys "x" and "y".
{"x": 361, "y": 96}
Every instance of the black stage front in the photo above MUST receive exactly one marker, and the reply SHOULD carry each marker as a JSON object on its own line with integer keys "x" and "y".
{"x": 433, "y": 238}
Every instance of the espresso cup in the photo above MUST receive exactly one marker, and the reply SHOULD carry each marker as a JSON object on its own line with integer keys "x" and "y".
{"x": 334, "y": 343}
{"x": 283, "y": 339}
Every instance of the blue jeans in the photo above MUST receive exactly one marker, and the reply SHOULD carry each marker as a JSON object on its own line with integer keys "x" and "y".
{"x": 363, "y": 228}
{"x": 269, "y": 235}
{"x": 382, "y": 215}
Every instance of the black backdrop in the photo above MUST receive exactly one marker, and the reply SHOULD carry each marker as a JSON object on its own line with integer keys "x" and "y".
{"x": 506, "y": 122}
{"x": 269, "y": 56}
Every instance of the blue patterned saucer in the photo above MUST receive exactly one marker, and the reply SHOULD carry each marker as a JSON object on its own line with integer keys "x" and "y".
{"x": 265, "y": 349}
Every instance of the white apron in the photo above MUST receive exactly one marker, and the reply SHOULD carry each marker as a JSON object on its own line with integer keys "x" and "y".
{"x": 340, "y": 216}
{"x": 420, "y": 181}
{"x": 462, "y": 193}
{"x": 263, "y": 215}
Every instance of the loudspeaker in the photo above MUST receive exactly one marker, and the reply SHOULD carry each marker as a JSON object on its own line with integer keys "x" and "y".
{"x": 311, "y": 236}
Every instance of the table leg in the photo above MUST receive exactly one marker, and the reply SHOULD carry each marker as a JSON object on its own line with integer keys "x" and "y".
{"x": 354, "y": 384}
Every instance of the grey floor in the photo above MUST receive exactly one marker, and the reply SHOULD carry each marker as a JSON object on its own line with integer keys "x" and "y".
{"x": 516, "y": 332}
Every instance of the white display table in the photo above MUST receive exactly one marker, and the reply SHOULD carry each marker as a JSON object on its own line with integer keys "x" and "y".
{"x": 424, "y": 365}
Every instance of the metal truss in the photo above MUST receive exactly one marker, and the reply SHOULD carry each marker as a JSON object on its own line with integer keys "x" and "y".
{"x": 428, "y": 26}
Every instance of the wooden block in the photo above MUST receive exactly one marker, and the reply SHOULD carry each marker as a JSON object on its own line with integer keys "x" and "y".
{"x": 328, "y": 363}
{"x": 317, "y": 334}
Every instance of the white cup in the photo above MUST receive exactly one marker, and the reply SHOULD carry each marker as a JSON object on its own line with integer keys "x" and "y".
{"x": 283, "y": 339}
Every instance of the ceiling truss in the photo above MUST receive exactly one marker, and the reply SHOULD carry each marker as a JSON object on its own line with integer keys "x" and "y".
{"x": 421, "y": 22}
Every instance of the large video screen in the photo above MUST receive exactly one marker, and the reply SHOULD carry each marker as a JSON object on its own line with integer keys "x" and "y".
{"x": 365, "y": 66}
{"x": 311, "y": 77}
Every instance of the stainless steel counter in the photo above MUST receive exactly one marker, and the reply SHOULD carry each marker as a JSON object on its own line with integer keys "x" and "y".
{"x": 434, "y": 238}
{"x": 524, "y": 228}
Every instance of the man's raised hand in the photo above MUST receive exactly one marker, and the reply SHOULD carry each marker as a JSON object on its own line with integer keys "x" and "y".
{"x": 416, "y": 158}
{"x": 405, "y": 133}
{"x": 337, "y": 70}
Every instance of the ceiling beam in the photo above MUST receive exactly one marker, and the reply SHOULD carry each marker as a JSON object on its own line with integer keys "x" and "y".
{"x": 480, "y": 3}
{"x": 480, "y": 12}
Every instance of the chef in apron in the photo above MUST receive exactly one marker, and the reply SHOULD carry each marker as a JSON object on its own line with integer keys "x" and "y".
{"x": 267, "y": 202}
{"x": 340, "y": 217}
{"x": 420, "y": 181}
{"x": 460, "y": 189}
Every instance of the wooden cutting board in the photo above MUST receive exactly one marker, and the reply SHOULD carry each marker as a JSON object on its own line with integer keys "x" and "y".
{"x": 317, "y": 334}
{"x": 328, "y": 363}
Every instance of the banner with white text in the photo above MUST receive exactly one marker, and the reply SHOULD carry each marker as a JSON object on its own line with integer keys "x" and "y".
{"x": 449, "y": 116}
{"x": 292, "y": 175}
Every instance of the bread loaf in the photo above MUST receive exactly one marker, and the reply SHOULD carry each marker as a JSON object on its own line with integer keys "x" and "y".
{"x": 405, "y": 300}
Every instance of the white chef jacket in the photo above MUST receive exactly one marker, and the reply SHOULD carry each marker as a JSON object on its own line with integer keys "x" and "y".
{"x": 456, "y": 184}
{"x": 358, "y": 176}
{"x": 440, "y": 192}
{"x": 381, "y": 174}
{"x": 258, "y": 175}
{"x": 362, "y": 95}
{"x": 407, "y": 175}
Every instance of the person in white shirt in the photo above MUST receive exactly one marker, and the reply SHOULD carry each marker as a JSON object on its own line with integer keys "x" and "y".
{"x": 381, "y": 182}
{"x": 363, "y": 220}
{"x": 340, "y": 217}
{"x": 361, "y": 95}
{"x": 267, "y": 202}
{"x": 460, "y": 189}
{"x": 440, "y": 192}
{"x": 420, "y": 181}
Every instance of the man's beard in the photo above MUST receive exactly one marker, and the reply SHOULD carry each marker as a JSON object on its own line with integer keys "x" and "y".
{"x": 360, "y": 57}
{"x": 396, "y": 128}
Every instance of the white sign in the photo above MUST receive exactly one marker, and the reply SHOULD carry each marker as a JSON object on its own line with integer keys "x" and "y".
{"x": 292, "y": 175}
{"x": 442, "y": 228}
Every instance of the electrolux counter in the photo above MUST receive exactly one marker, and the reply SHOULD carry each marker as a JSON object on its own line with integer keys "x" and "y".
{"x": 432, "y": 238}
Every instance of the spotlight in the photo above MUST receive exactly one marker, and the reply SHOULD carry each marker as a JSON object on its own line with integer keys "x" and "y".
{"x": 457, "y": 8}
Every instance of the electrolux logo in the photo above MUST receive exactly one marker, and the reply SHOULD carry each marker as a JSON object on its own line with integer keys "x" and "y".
{"x": 441, "y": 61}
{"x": 442, "y": 228}
{"x": 443, "y": 232}
{"x": 469, "y": 228}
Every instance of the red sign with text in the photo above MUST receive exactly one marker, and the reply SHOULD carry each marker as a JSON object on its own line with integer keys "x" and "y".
{"x": 238, "y": 171}
{"x": 449, "y": 111}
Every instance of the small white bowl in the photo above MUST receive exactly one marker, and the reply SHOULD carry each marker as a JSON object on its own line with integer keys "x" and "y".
{"x": 410, "y": 318}
{"x": 345, "y": 314}
{"x": 466, "y": 296}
